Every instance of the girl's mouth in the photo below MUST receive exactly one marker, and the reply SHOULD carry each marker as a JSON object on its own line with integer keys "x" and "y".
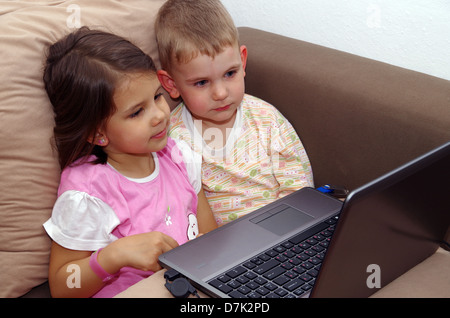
{"x": 161, "y": 134}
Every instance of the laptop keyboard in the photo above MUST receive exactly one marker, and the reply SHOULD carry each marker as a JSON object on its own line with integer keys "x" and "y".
{"x": 287, "y": 270}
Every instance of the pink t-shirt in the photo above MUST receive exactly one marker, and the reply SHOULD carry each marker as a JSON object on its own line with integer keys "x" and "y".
{"x": 97, "y": 205}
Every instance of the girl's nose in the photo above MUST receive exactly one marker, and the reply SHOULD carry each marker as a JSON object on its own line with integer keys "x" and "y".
{"x": 158, "y": 116}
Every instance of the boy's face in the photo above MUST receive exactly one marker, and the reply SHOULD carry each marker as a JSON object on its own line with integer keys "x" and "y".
{"x": 212, "y": 88}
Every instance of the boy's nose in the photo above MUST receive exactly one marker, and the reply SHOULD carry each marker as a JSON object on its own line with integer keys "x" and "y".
{"x": 220, "y": 92}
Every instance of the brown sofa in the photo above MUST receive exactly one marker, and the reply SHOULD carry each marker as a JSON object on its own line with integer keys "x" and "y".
{"x": 357, "y": 118}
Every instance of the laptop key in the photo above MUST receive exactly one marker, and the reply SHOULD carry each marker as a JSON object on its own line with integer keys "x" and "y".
{"x": 254, "y": 294}
{"x": 307, "y": 265}
{"x": 221, "y": 286}
{"x": 244, "y": 290}
{"x": 242, "y": 279}
{"x": 318, "y": 248}
{"x": 311, "y": 241}
{"x": 260, "y": 280}
{"x": 281, "y": 258}
{"x": 236, "y": 294}
{"x": 263, "y": 291}
{"x": 289, "y": 254}
{"x": 319, "y": 237}
{"x": 303, "y": 257}
{"x": 252, "y": 285}
{"x": 234, "y": 284}
{"x": 281, "y": 292}
{"x": 288, "y": 265}
{"x": 314, "y": 230}
{"x": 235, "y": 272}
{"x": 304, "y": 245}
{"x": 313, "y": 272}
{"x": 299, "y": 270}
{"x": 270, "y": 286}
{"x": 287, "y": 244}
{"x": 273, "y": 273}
{"x": 299, "y": 292}
{"x": 249, "y": 265}
{"x": 281, "y": 280}
{"x": 292, "y": 285}
{"x": 224, "y": 278}
{"x": 250, "y": 275}
{"x": 266, "y": 266}
{"x": 305, "y": 277}
{"x": 291, "y": 274}
{"x": 272, "y": 253}
{"x": 315, "y": 261}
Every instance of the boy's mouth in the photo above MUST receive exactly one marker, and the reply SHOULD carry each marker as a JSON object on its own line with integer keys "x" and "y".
{"x": 221, "y": 109}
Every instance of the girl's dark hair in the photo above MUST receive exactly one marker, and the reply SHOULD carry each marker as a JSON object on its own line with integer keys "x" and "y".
{"x": 81, "y": 73}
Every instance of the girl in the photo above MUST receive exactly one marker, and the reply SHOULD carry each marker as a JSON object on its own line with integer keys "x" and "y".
{"x": 127, "y": 191}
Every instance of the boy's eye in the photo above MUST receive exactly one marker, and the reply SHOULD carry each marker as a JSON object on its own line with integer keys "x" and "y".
{"x": 201, "y": 83}
{"x": 230, "y": 73}
{"x": 157, "y": 96}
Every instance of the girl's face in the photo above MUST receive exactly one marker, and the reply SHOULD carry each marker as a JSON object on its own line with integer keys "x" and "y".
{"x": 212, "y": 88}
{"x": 139, "y": 124}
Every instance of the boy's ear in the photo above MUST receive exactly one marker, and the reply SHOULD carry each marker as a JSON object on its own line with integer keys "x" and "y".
{"x": 168, "y": 83}
{"x": 244, "y": 55}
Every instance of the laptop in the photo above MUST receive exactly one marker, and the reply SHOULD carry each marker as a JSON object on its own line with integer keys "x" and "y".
{"x": 309, "y": 244}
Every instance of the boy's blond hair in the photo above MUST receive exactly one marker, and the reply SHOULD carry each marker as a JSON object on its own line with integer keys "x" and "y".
{"x": 185, "y": 28}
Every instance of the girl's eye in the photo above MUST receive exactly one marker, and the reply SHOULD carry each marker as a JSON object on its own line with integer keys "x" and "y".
{"x": 136, "y": 113}
{"x": 157, "y": 96}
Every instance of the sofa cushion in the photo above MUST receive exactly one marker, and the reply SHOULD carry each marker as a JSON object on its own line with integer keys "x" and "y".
{"x": 357, "y": 118}
{"x": 28, "y": 164}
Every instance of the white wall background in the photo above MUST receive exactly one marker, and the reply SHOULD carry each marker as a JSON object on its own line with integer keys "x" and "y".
{"x": 413, "y": 34}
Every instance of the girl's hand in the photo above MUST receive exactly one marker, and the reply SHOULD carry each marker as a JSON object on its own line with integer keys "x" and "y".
{"x": 139, "y": 251}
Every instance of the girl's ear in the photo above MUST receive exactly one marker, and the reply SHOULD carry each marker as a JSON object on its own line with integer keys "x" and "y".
{"x": 168, "y": 83}
{"x": 99, "y": 140}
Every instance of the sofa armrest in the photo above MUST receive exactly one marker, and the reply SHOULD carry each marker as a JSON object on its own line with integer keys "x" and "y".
{"x": 357, "y": 118}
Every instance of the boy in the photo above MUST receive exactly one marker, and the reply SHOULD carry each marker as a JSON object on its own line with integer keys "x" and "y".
{"x": 251, "y": 153}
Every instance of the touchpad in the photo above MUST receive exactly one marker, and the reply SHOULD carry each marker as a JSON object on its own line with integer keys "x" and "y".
{"x": 282, "y": 220}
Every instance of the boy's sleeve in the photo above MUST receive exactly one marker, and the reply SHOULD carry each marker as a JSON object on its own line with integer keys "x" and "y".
{"x": 193, "y": 162}
{"x": 183, "y": 139}
{"x": 291, "y": 164}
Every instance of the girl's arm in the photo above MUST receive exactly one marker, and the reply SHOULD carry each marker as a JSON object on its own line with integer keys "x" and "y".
{"x": 70, "y": 274}
{"x": 205, "y": 217}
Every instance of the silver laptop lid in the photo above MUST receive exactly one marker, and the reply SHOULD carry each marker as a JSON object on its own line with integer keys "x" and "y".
{"x": 387, "y": 227}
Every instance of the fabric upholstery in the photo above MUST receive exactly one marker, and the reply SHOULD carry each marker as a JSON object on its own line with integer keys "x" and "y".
{"x": 28, "y": 164}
